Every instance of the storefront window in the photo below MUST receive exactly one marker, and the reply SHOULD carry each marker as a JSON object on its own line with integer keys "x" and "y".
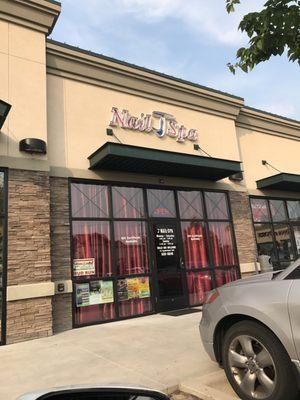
{"x": 134, "y": 296}
{"x": 283, "y": 242}
{"x": 128, "y": 202}
{"x": 92, "y": 249}
{"x": 111, "y": 271}
{"x": 94, "y": 302}
{"x": 199, "y": 283}
{"x": 260, "y": 210}
{"x": 222, "y": 244}
{"x": 278, "y": 210}
{"x": 280, "y": 237}
{"x": 114, "y": 228}
{"x": 294, "y": 209}
{"x": 190, "y": 204}
{"x": 194, "y": 245}
{"x": 264, "y": 240}
{"x": 161, "y": 203}
{"x": 89, "y": 201}
{"x": 216, "y": 205}
{"x": 131, "y": 247}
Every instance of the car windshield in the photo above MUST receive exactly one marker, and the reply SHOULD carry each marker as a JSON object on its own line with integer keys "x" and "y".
{"x": 288, "y": 270}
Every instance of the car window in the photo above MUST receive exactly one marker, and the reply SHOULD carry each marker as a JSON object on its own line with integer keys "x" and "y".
{"x": 294, "y": 274}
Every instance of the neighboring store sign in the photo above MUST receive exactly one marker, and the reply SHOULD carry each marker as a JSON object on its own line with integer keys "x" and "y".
{"x": 84, "y": 266}
{"x": 133, "y": 288}
{"x": 94, "y": 292}
{"x": 159, "y": 123}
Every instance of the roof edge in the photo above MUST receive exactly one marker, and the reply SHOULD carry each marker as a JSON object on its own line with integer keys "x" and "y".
{"x": 143, "y": 69}
{"x": 40, "y": 15}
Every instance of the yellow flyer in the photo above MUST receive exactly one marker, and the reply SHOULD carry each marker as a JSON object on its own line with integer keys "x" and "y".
{"x": 144, "y": 288}
{"x": 133, "y": 288}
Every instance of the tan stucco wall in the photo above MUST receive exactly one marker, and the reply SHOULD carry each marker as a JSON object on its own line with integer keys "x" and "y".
{"x": 23, "y": 85}
{"x": 79, "y": 113}
{"x": 281, "y": 152}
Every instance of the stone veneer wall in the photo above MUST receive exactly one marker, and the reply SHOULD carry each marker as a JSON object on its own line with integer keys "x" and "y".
{"x": 244, "y": 232}
{"x": 60, "y": 251}
{"x": 29, "y": 319}
{"x": 28, "y": 252}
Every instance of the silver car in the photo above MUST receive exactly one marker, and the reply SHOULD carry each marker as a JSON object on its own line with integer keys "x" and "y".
{"x": 251, "y": 327}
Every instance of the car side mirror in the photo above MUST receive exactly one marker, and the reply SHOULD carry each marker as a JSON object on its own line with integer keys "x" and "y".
{"x": 95, "y": 393}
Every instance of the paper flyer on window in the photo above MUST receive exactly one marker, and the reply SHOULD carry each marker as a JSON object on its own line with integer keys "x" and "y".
{"x": 82, "y": 295}
{"x": 133, "y": 288}
{"x": 144, "y": 288}
{"x": 122, "y": 290}
{"x": 93, "y": 293}
{"x": 84, "y": 266}
{"x": 107, "y": 292}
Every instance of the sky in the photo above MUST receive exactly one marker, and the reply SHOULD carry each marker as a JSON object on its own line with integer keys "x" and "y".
{"x": 188, "y": 39}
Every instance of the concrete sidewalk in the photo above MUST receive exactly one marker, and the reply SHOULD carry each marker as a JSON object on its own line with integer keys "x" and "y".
{"x": 158, "y": 351}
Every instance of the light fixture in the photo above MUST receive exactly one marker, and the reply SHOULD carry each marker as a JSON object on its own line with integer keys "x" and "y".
{"x": 33, "y": 146}
{"x": 4, "y": 110}
{"x": 238, "y": 177}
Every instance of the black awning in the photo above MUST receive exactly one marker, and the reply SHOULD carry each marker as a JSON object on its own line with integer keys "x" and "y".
{"x": 121, "y": 157}
{"x": 282, "y": 181}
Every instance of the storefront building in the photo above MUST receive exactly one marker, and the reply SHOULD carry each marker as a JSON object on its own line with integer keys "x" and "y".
{"x": 125, "y": 192}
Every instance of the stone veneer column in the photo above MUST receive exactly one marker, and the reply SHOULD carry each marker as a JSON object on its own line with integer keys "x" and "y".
{"x": 244, "y": 232}
{"x": 60, "y": 252}
{"x": 28, "y": 254}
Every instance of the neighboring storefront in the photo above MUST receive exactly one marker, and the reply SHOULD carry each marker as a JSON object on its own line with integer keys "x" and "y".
{"x": 125, "y": 192}
{"x": 277, "y": 229}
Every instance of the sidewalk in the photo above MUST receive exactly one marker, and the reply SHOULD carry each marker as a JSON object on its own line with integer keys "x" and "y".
{"x": 158, "y": 351}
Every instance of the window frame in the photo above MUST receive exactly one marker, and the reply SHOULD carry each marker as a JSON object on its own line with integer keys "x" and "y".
{"x": 148, "y": 220}
{"x": 3, "y": 289}
{"x": 288, "y": 222}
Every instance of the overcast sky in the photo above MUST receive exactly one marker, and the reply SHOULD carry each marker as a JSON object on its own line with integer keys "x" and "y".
{"x": 189, "y": 39}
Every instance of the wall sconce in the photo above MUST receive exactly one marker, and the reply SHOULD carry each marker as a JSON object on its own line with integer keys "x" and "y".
{"x": 4, "y": 110}
{"x": 33, "y": 146}
{"x": 238, "y": 177}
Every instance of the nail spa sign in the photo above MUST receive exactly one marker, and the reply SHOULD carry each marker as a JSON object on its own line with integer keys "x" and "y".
{"x": 159, "y": 123}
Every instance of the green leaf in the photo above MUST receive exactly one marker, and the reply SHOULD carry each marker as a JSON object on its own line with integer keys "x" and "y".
{"x": 271, "y": 30}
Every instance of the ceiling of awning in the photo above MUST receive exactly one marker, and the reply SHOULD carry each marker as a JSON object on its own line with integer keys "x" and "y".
{"x": 121, "y": 157}
{"x": 282, "y": 181}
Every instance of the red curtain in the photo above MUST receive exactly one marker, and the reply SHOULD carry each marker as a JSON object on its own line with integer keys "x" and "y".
{"x": 128, "y": 202}
{"x": 226, "y": 276}
{"x": 222, "y": 243}
{"x": 198, "y": 284}
{"x": 193, "y": 234}
{"x": 92, "y": 240}
{"x": 132, "y": 258}
{"x": 95, "y": 313}
{"x": 132, "y": 307}
{"x": 89, "y": 201}
{"x": 131, "y": 247}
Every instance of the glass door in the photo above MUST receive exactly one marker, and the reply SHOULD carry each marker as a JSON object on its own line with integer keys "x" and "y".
{"x": 169, "y": 271}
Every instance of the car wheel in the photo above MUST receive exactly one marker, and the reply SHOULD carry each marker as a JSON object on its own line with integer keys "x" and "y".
{"x": 256, "y": 364}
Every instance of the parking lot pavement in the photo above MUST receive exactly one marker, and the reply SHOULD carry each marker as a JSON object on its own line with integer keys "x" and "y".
{"x": 157, "y": 351}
